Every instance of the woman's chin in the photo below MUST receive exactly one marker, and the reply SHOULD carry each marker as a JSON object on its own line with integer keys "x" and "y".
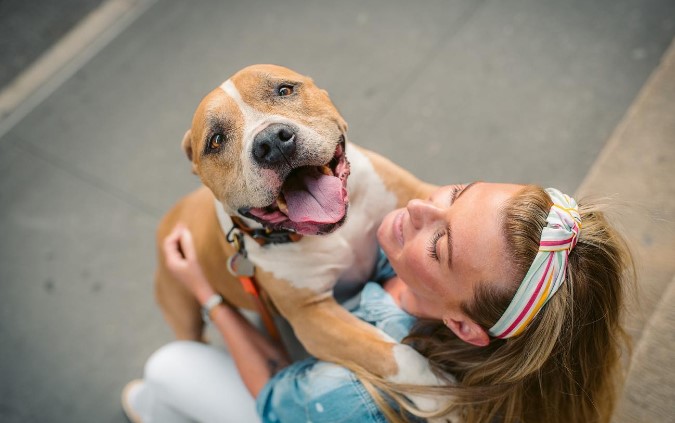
{"x": 385, "y": 235}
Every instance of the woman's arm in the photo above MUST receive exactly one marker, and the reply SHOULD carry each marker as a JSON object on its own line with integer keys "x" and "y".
{"x": 256, "y": 357}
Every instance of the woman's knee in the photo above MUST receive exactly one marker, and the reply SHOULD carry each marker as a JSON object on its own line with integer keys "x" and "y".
{"x": 172, "y": 358}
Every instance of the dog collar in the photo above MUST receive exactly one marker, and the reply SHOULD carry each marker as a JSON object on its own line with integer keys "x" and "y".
{"x": 264, "y": 236}
{"x": 246, "y": 274}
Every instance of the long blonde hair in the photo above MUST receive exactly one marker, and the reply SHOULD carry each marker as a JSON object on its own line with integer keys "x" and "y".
{"x": 565, "y": 367}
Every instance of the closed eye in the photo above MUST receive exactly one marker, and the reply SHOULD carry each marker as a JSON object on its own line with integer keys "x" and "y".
{"x": 455, "y": 192}
{"x": 432, "y": 246}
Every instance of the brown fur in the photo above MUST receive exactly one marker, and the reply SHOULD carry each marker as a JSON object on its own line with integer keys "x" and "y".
{"x": 316, "y": 318}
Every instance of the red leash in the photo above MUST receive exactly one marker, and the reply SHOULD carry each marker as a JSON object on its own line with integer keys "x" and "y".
{"x": 249, "y": 284}
{"x": 244, "y": 270}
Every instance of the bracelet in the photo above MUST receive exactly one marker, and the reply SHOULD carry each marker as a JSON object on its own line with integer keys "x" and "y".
{"x": 209, "y": 305}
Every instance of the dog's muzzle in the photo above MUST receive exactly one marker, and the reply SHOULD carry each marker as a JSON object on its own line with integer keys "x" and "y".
{"x": 313, "y": 199}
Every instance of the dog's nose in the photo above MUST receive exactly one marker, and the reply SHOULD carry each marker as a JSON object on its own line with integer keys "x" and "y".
{"x": 274, "y": 144}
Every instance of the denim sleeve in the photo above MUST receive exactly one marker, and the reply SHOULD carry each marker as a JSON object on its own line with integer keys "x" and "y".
{"x": 383, "y": 270}
{"x": 318, "y": 392}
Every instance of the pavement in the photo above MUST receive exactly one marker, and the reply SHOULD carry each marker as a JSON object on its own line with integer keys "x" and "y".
{"x": 519, "y": 91}
{"x": 29, "y": 28}
{"x": 635, "y": 169}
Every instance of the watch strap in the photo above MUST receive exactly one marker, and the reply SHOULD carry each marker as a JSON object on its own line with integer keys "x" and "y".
{"x": 213, "y": 301}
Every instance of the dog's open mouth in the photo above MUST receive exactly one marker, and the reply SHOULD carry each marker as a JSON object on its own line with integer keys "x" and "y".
{"x": 313, "y": 199}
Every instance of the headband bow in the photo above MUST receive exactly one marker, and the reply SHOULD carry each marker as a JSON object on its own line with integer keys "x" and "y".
{"x": 547, "y": 272}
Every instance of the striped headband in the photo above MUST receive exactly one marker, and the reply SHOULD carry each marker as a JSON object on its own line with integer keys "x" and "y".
{"x": 547, "y": 272}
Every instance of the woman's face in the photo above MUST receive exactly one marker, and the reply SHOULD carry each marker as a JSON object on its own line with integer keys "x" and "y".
{"x": 443, "y": 247}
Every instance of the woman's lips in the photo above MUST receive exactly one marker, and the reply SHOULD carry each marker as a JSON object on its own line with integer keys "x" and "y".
{"x": 398, "y": 227}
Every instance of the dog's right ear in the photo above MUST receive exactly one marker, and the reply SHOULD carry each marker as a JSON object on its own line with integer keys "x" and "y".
{"x": 186, "y": 144}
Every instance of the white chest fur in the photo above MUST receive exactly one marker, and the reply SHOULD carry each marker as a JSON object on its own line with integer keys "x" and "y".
{"x": 347, "y": 255}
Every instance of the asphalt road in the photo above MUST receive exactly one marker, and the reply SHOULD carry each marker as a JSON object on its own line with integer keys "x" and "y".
{"x": 518, "y": 91}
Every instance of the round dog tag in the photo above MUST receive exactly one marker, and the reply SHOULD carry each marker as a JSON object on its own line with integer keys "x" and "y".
{"x": 238, "y": 265}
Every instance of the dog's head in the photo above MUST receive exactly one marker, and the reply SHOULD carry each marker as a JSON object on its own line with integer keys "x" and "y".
{"x": 271, "y": 146}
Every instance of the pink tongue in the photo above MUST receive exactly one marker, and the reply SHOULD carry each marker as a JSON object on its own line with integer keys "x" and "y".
{"x": 312, "y": 196}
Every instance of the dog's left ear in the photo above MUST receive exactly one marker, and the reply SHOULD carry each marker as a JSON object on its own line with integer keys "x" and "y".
{"x": 186, "y": 144}
{"x": 342, "y": 124}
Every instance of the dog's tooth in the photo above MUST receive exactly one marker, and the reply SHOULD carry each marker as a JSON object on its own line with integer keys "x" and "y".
{"x": 326, "y": 170}
{"x": 281, "y": 203}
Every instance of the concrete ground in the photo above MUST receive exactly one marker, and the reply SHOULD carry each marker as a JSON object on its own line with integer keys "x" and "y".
{"x": 636, "y": 168}
{"x": 29, "y": 28}
{"x": 520, "y": 91}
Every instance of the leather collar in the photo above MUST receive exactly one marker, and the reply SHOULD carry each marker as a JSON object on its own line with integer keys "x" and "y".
{"x": 264, "y": 236}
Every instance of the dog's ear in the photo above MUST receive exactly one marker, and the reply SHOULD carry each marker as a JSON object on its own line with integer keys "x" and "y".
{"x": 186, "y": 144}
{"x": 342, "y": 124}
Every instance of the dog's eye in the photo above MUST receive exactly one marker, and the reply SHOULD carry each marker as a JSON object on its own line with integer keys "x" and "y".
{"x": 216, "y": 141}
{"x": 285, "y": 90}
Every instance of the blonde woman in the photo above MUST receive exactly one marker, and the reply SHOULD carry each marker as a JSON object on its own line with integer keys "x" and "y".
{"x": 514, "y": 291}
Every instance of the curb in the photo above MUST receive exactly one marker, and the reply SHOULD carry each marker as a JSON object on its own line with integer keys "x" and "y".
{"x": 67, "y": 56}
{"x": 636, "y": 168}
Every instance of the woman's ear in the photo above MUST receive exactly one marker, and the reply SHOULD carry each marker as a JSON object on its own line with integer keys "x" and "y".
{"x": 467, "y": 330}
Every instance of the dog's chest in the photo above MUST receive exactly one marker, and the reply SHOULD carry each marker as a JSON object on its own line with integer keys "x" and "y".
{"x": 346, "y": 256}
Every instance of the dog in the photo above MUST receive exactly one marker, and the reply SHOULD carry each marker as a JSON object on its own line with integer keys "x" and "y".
{"x": 271, "y": 151}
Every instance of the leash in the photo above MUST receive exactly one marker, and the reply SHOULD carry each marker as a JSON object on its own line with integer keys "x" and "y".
{"x": 243, "y": 269}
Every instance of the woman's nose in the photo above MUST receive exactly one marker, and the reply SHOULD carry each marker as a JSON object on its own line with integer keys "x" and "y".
{"x": 423, "y": 212}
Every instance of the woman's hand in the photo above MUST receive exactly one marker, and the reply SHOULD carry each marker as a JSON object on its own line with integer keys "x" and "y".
{"x": 181, "y": 260}
{"x": 256, "y": 357}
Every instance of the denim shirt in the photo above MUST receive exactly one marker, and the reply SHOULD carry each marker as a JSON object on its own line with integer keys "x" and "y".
{"x": 321, "y": 392}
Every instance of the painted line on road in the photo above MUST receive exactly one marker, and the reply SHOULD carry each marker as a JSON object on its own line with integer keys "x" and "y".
{"x": 67, "y": 56}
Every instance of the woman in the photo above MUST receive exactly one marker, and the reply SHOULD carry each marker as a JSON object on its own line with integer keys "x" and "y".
{"x": 517, "y": 292}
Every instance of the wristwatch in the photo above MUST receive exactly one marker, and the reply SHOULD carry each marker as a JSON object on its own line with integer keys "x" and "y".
{"x": 209, "y": 305}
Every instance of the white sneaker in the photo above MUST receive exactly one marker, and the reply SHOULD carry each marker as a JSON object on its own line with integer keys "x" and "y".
{"x": 131, "y": 397}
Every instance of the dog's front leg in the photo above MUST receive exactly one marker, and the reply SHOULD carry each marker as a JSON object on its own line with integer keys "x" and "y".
{"x": 331, "y": 333}
{"x": 179, "y": 307}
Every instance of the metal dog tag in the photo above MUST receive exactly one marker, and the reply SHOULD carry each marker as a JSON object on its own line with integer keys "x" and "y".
{"x": 238, "y": 265}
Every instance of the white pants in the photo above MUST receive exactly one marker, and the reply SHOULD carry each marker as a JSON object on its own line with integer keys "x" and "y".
{"x": 189, "y": 381}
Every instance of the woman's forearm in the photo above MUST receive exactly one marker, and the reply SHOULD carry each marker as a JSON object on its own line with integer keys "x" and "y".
{"x": 256, "y": 357}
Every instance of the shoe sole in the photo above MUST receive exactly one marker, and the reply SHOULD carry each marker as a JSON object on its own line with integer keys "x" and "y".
{"x": 131, "y": 415}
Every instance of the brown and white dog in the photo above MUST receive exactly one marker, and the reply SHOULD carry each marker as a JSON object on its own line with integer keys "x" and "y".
{"x": 270, "y": 148}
